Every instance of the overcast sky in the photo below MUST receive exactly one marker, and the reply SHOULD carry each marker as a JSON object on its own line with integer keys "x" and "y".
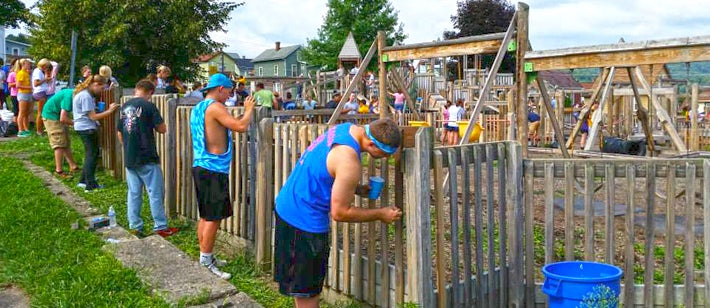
{"x": 257, "y": 24}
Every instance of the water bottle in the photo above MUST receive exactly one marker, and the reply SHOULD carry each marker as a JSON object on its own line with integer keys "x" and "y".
{"x": 111, "y": 217}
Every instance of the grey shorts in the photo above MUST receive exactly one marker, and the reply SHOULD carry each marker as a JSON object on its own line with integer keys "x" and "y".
{"x": 25, "y": 97}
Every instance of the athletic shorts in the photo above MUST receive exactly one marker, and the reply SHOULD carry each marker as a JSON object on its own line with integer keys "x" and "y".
{"x": 25, "y": 97}
{"x": 301, "y": 260}
{"x": 399, "y": 107}
{"x": 213, "y": 201}
{"x": 40, "y": 96}
{"x": 57, "y": 133}
{"x": 452, "y": 128}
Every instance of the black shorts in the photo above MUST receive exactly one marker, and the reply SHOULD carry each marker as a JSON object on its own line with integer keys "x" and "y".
{"x": 453, "y": 129}
{"x": 213, "y": 201}
{"x": 301, "y": 260}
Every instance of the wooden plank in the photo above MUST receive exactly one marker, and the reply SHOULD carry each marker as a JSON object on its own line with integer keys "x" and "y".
{"x": 481, "y": 44}
{"x": 706, "y": 231}
{"x": 694, "y": 144}
{"x": 522, "y": 87}
{"x": 662, "y": 115}
{"x": 439, "y": 207}
{"x": 492, "y": 290}
{"x": 529, "y": 236}
{"x": 480, "y": 299}
{"x": 689, "y": 49}
{"x": 352, "y": 85}
{"x": 265, "y": 196}
{"x": 629, "y": 91}
{"x": 514, "y": 192}
{"x": 598, "y": 114}
{"x": 610, "y": 235}
{"x": 466, "y": 224}
{"x": 669, "y": 259}
{"x": 549, "y": 215}
{"x": 382, "y": 70}
{"x": 629, "y": 274}
{"x": 371, "y": 242}
{"x": 588, "y": 213}
{"x": 649, "y": 236}
{"x": 690, "y": 182}
{"x": 399, "y": 232}
{"x": 548, "y": 107}
{"x": 503, "y": 219}
{"x": 454, "y": 229}
{"x": 584, "y": 113}
{"x": 569, "y": 211}
{"x": 419, "y": 247}
{"x": 600, "y": 169}
{"x": 400, "y": 85}
{"x": 384, "y": 239}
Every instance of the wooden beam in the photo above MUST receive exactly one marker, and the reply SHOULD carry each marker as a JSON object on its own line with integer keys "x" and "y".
{"x": 662, "y": 114}
{"x": 585, "y": 110}
{"x": 656, "y": 91}
{"x": 553, "y": 118}
{"x": 353, "y": 83}
{"x": 694, "y": 140}
{"x": 522, "y": 83}
{"x": 689, "y": 49}
{"x": 597, "y": 115}
{"x": 642, "y": 115}
{"x": 382, "y": 75}
{"x": 480, "y": 44}
{"x": 400, "y": 85}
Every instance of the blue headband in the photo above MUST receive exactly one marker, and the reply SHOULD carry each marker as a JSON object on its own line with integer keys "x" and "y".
{"x": 384, "y": 147}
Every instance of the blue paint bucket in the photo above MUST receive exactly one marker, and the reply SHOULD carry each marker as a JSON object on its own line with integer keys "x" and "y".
{"x": 582, "y": 284}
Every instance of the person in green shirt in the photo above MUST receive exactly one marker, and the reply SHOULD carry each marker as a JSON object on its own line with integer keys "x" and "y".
{"x": 56, "y": 120}
{"x": 265, "y": 98}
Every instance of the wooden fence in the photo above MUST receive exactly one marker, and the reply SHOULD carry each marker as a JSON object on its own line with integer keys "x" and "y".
{"x": 649, "y": 217}
{"x": 110, "y": 151}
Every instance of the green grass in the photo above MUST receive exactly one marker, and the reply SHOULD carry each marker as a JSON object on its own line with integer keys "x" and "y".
{"x": 245, "y": 275}
{"x": 57, "y": 266}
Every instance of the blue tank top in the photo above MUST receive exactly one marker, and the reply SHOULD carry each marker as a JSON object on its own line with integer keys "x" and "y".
{"x": 201, "y": 157}
{"x": 304, "y": 201}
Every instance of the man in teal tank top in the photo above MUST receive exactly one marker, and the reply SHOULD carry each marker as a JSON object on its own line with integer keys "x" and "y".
{"x": 211, "y": 126}
{"x": 323, "y": 184}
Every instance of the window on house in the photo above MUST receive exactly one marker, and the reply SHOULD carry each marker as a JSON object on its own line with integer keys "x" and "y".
{"x": 294, "y": 70}
{"x": 276, "y": 70}
{"x": 261, "y": 71}
{"x": 15, "y": 51}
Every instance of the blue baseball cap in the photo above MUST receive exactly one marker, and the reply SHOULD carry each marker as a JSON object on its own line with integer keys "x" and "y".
{"x": 218, "y": 80}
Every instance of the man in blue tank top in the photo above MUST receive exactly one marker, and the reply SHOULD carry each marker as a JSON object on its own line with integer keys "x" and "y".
{"x": 211, "y": 126}
{"x": 323, "y": 184}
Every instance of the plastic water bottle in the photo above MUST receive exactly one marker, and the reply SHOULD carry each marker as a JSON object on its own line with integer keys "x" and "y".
{"x": 111, "y": 217}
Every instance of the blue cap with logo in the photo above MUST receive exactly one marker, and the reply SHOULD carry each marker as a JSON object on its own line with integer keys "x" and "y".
{"x": 218, "y": 80}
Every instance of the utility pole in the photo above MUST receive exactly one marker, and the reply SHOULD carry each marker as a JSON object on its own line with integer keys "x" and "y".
{"x": 72, "y": 67}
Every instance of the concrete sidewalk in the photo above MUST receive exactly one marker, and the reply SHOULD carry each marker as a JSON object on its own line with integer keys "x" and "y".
{"x": 159, "y": 264}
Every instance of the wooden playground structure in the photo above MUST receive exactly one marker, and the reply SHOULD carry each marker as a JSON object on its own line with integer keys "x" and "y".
{"x": 482, "y": 218}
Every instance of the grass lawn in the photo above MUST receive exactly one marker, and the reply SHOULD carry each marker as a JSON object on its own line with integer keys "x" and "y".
{"x": 34, "y": 202}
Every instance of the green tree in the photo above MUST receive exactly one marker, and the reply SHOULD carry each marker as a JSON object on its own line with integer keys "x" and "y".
{"x": 128, "y": 35}
{"x": 363, "y": 17}
{"x": 477, "y": 17}
{"x": 22, "y": 38}
{"x": 13, "y": 13}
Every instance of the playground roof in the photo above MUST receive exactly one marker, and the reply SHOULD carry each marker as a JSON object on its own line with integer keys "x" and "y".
{"x": 349, "y": 50}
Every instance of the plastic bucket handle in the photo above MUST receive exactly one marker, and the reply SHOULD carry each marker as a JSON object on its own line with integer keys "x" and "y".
{"x": 551, "y": 286}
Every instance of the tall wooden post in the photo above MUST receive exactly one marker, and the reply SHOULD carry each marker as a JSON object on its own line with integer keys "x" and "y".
{"x": 382, "y": 75}
{"x": 694, "y": 140}
{"x": 265, "y": 194}
{"x": 522, "y": 110}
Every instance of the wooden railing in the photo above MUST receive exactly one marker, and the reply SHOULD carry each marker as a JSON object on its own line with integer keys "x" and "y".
{"x": 319, "y": 116}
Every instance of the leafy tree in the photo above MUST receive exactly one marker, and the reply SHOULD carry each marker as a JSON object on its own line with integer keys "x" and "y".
{"x": 477, "y": 17}
{"x": 128, "y": 35}
{"x": 13, "y": 13}
{"x": 364, "y": 18}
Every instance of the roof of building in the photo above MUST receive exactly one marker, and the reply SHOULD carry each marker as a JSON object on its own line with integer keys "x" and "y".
{"x": 18, "y": 43}
{"x": 273, "y": 54}
{"x": 559, "y": 79}
{"x": 234, "y": 55}
{"x": 207, "y": 57}
{"x": 244, "y": 63}
{"x": 349, "y": 50}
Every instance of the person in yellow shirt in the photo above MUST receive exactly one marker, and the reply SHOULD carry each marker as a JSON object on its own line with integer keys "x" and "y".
{"x": 24, "y": 97}
{"x": 363, "y": 108}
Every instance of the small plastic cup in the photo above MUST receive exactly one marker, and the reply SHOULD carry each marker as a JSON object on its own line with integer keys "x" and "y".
{"x": 376, "y": 185}
{"x": 102, "y": 106}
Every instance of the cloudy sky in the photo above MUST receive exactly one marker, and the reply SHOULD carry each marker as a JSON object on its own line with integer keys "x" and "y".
{"x": 553, "y": 23}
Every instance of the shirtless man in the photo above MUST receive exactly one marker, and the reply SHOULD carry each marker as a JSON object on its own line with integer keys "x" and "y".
{"x": 211, "y": 126}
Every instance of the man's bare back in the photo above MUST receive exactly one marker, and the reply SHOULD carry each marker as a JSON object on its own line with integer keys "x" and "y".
{"x": 218, "y": 120}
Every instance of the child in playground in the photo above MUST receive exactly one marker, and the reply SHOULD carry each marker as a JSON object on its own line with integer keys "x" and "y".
{"x": 445, "y": 118}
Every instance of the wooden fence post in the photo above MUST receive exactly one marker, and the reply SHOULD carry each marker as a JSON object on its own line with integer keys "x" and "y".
{"x": 417, "y": 213}
{"x": 515, "y": 228}
{"x": 170, "y": 159}
{"x": 264, "y": 193}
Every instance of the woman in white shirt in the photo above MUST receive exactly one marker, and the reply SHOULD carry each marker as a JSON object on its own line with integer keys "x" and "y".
{"x": 40, "y": 84}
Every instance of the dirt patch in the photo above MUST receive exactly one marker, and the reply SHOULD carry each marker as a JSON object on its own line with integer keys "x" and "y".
{"x": 13, "y": 297}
